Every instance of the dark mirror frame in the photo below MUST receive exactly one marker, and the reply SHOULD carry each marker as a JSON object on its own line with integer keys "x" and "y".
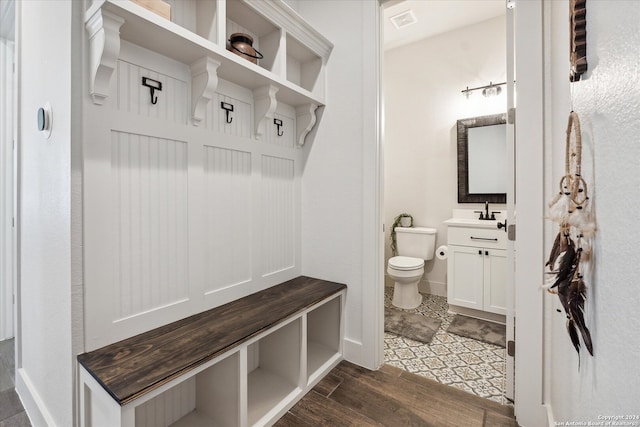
{"x": 463, "y": 159}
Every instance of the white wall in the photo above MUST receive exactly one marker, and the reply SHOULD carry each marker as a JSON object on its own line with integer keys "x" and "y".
{"x": 422, "y": 84}
{"x": 46, "y": 339}
{"x": 607, "y": 100}
{"x": 339, "y": 188}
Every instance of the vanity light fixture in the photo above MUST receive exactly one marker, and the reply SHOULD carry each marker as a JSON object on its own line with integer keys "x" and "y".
{"x": 492, "y": 89}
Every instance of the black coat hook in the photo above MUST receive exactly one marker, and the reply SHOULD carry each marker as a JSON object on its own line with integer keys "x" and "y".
{"x": 153, "y": 85}
{"x": 227, "y": 109}
{"x": 278, "y": 123}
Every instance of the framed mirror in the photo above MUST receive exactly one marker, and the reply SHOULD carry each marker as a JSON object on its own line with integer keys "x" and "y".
{"x": 482, "y": 159}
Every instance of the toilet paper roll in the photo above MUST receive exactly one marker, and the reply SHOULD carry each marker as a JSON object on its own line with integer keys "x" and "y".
{"x": 442, "y": 252}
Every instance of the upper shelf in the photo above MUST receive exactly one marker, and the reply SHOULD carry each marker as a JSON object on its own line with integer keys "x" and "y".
{"x": 294, "y": 70}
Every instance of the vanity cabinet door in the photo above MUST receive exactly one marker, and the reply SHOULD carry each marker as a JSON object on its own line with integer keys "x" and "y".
{"x": 465, "y": 270}
{"x": 495, "y": 280}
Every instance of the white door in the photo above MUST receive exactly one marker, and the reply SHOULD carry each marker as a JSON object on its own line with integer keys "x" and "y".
{"x": 510, "y": 261}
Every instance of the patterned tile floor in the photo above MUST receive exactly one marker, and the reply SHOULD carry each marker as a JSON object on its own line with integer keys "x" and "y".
{"x": 470, "y": 365}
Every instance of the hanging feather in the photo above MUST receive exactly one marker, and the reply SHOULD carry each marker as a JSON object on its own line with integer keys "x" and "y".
{"x": 581, "y": 219}
{"x": 577, "y": 296}
{"x": 567, "y": 268}
{"x": 559, "y": 246}
{"x": 559, "y": 212}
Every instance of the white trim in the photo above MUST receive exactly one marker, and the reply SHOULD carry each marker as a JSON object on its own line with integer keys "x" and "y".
{"x": 31, "y": 401}
{"x": 529, "y": 190}
{"x": 373, "y": 196}
{"x": 7, "y": 103}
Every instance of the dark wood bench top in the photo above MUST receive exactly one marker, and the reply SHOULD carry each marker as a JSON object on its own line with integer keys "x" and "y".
{"x": 132, "y": 367}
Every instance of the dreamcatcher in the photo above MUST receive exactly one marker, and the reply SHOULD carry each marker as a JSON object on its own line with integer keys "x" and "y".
{"x": 572, "y": 246}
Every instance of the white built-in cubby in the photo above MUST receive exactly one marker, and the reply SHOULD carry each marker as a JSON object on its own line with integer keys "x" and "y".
{"x": 252, "y": 382}
{"x": 292, "y": 71}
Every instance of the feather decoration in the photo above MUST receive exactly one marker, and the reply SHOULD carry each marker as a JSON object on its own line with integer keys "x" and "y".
{"x": 559, "y": 212}
{"x": 577, "y": 296}
{"x": 568, "y": 257}
{"x": 582, "y": 221}
{"x": 568, "y": 266}
{"x": 559, "y": 246}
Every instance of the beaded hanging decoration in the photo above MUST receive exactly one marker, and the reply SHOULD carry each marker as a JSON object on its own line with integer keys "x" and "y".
{"x": 572, "y": 247}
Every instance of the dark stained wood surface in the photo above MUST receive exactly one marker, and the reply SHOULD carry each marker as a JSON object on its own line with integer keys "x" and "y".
{"x": 137, "y": 365}
{"x": 351, "y": 395}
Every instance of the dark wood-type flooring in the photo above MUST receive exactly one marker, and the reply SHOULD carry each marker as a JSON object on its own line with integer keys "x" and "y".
{"x": 354, "y": 396}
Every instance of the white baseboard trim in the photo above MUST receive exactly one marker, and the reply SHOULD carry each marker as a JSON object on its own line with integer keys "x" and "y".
{"x": 433, "y": 288}
{"x": 354, "y": 352}
{"x": 31, "y": 401}
{"x": 551, "y": 420}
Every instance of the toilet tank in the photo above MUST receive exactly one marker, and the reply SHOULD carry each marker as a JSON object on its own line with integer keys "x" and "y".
{"x": 417, "y": 242}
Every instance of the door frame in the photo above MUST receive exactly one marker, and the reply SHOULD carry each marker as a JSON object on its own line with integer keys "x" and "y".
{"x": 8, "y": 182}
{"x": 528, "y": 248}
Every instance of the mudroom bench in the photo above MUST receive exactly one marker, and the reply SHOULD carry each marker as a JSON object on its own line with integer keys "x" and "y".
{"x": 241, "y": 364}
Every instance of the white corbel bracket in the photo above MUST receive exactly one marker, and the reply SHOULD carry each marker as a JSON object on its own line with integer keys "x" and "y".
{"x": 104, "y": 48}
{"x": 204, "y": 82}
{"x": 264, "y": 106}
{"x": 305, "y": 120}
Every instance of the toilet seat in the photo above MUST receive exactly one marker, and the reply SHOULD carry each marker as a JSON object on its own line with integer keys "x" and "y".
{"x": 405, "y": 263}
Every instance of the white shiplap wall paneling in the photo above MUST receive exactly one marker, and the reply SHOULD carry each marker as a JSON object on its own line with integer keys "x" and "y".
{"x": 168, "y": 407}
{"x": 182, "y": 218}
{"x": 149, "y": 190}
{"x": 228, "y": 212}
{"x": 135, "y": 98}
{"x": 278, "y": 214}
{"x": 241, "y": 116}
{"x": 287, "y": 135}
{"x": 132, "y": 97}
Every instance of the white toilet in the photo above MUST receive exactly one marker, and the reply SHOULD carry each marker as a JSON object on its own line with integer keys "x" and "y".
{"x": 415, "y": 245}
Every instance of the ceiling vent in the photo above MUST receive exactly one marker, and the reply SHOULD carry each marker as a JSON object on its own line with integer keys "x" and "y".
{"x": 403, "y": 19}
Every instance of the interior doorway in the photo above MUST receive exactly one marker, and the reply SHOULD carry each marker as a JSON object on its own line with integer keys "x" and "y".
{"x": 426, "y": 68}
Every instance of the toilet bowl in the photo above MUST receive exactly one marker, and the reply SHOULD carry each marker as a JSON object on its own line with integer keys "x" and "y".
{"x": 406, "y": 272}
{"x": 415, "y": 245}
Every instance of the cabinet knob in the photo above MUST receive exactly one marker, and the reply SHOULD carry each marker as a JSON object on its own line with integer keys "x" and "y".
{"x": 486, "y": 253}
{"x": 479, "y": 251}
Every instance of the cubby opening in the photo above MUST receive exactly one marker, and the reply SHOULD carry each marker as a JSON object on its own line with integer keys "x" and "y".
{"x": 323, "y": 336}
{"x": 209, "y": 398}
{"x": 266, "y": 36}
{"x": 274, "y": 370}
{"x": 303, "y": 65}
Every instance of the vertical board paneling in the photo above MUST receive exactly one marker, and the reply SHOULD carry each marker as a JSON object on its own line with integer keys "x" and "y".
{"x": 135, "y": 98}
{"x": 278, "y": 212}
{"x": 216, "y": 118}
{"x": 228, "y": 217}
{"x": 287, "y": 130}
{"x": 149, "y": 188}
{"x": 168, "y": 407}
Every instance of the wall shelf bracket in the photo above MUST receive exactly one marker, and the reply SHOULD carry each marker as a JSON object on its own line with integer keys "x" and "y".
{"x": 264, "y": 106}
{"x": 305, "y": 121}
{"x": 204, "y": 81}
{"x": 103, "y": 28}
